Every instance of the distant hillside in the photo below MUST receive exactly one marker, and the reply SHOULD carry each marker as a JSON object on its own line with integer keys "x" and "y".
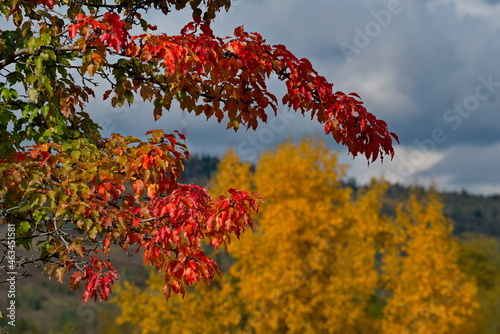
{"x": 474, "y": 213}
{"x": 471, "y": 213}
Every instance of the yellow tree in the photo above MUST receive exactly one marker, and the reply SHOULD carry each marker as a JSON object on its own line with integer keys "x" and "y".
{"x": 429, "y": 292}
{"x": 480, "y": 260}
{"x": 309, "y": 266}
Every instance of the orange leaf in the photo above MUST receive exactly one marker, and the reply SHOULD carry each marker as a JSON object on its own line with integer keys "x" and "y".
{"x": 138, "y": 187}
{"x": 34, "y": 154}
{"x": 106, "y": 242}
{"x": 75, "y": 280}
{"x": 152, "y": 190}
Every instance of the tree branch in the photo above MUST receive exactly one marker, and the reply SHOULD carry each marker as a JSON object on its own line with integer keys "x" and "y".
{"x": 25, "y": 51}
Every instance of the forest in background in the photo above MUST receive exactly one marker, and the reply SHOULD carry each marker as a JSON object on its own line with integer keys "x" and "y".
{"x": 476, "y": 226}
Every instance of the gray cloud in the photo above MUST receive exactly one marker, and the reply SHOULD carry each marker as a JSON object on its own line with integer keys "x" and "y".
{"x": 492, "y": 2}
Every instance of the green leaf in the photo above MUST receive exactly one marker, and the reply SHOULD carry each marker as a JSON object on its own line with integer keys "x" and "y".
{"x": 58, "y": 130}
{"x": 75, "y": 155}
{"x": 45, "y": 38}
{"x": 38, "y": 215}
{"x": 31, "y": 80}
{"x": 6, "y": 94}
{"x": 32, "y": 44}
{"x": 122, "y": 160}
{"x": 25, "y": 243}
{"x": 88, "y": 224}
{"x": 38, "y": 65}
{"x": 52, "y": 195}
{"x": 24, "y": 227}
{"x": 92, "y": 233}
{"x": 47, "y": 84}
{"x": 44, "y": 110}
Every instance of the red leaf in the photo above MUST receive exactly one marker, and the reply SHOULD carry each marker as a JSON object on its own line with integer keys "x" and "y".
{"x": 136, "y": 222}
{"x": 167, "y": 291}
{"x": 239, "y": 31}
{"x": 188, "y": 27}
{"x": 45, "y": 156}
{"x": 85, "y": 296}
{"x": 72, "y": 30}
{"x": 101, "y": 190}
{"x": 48, "y": 3}
{"x": 106, "y": 94}
{"x": 207, "y": 30}
{"x": 162, "y": 211}
{"x": 181, "y": 136}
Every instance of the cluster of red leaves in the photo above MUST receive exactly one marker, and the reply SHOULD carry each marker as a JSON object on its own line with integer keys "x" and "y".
{"x": 109, "y": 30}
{"x": 227, "y": 77}
{"x": 181, "y": 221}
{"x": 99, "y": 283}
{"x": 126, "y": 194}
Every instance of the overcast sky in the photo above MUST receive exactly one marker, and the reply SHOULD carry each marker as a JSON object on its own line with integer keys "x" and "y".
{"x": 431, "y": 69}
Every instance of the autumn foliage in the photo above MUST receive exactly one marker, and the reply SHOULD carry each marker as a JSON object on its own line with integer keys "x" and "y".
{"x": 74, "y": 195}
{"x": 86, "y": 187}
{"x": 321, "y": 260}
